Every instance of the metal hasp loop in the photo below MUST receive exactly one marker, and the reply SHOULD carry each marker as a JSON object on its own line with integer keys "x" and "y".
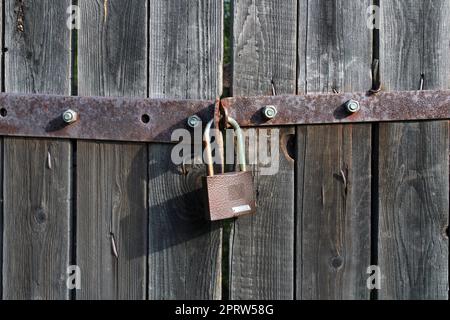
{"x": 240, "y": 145}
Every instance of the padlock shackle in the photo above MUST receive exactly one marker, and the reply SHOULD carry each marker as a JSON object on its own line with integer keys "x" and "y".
{"x": 240, "y": 145}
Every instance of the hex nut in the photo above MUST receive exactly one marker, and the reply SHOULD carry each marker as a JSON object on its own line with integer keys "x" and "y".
{"x": 194, "y": 121}
{"x": 70, "y": 116}
{"x": 352, "y": 106}
{"x": 270, "y": 112}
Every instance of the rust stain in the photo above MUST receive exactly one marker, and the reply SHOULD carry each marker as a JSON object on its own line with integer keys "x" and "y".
{"x": 329, "y": 108}
{"x": 20, "y": 11}
{"x": 31, "y": 115}
{"x": 40, "y": 115}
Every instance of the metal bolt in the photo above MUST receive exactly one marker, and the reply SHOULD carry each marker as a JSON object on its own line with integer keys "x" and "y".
{"x": 70, "y": 116}
{"x": 352, "y": 106}
{"x": 194, "y": 121}
{"x": 270, "y": 112}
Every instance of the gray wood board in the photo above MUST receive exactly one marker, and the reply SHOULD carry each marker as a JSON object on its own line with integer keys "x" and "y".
{"x": 112, "y": 212}
{"x": 262, "y": 246}
{"x": 185, "y": 57}
{"x": 333, "y": 167}
{"x": 37, "y": 173}
{"x": 413, "y": 157}
{"x": 1, "y": 169}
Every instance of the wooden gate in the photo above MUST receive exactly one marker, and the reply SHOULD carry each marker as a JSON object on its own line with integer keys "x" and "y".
{"x": 345, "y": 197}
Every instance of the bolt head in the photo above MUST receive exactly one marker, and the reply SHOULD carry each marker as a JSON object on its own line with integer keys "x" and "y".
{"x": 194, "y": 121}
{"x": 270, "y": 112}
{"x": 352, "y": 106}
{"x": 70, "y": 116}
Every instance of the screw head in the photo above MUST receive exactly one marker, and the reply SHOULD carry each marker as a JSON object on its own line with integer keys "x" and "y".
{"x": 352, "y": 106}
{"x": 194, "y": 121}
{"x": 70, "y": 116}
{"x": 270, "y": 112}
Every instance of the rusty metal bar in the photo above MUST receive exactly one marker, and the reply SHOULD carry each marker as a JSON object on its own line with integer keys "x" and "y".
{"x": 331, "y": 108}
{"x": 98, "y": 118}
{"x": 154, "y": 120}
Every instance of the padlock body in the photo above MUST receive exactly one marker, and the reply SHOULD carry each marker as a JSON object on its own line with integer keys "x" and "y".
{"x": 229, "y": 195}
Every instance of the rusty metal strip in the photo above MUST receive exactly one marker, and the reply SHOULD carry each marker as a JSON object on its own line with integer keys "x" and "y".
{"x": 99, "y": 118}
{"x": 154, "y": 120}
{"x": 329, "y": 108}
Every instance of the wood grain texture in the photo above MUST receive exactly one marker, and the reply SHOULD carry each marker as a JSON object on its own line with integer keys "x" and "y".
{"x": 36, "y": 206}
{"x": 185, "y": 62}
{"x": 262, "y": 246}
{"x": 264, "y": 45}
{"x": 413, "y": 157}
{"x": 185, "y": 249}
{"x": 335, "y": 51}
{"x": 111, "y": 180}
{"x": 112, "y": 212}
{"x": 37, "y": 57}
{"x": 1, "y": 217}
{"x": 333, "y": 162}
{"x": 37, "y": 173}
{"x": 333, "y": 226}
{"x": 1, "y": 167}
{"x": 185, "y": 49}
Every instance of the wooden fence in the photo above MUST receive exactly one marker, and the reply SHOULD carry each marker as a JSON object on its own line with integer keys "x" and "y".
{"x": 345, "y": 196}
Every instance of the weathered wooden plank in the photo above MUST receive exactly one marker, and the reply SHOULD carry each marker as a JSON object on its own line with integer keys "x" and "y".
{"x": 111, "y": 177}
{"x": 1, "y": 165}
{"x": 262, "y": 246}
{"x": 185, "y": 62}
{"x": 264, "y": 44}
{"x": 36, "y": 206}
{"x": 185, "y": 249}
{"x": 111, "y": 180}
{"x": 185, "y": 49}
{"x": 1, "y": 216}
{"x": 413, "y": 157}
{"x": 333, "y": 162}
{"x": 333, "y": 211}
{"x": 37, "y": 173}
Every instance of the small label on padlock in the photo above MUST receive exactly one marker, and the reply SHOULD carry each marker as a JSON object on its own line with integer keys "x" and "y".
{"x": 241, "y": 209}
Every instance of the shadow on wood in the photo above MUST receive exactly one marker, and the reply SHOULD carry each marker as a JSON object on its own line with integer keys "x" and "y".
{"x": 181, "y": 218}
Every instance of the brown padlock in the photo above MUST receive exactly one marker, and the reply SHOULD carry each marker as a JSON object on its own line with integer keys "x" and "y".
{"x": 228, "y": 195}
